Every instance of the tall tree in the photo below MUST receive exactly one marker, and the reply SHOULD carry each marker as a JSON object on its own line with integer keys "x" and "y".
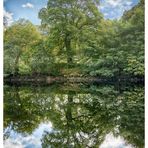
{"x": 69, "y": 21}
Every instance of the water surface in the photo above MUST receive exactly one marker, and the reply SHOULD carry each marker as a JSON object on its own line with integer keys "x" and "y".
{"x": 74, "y": 116}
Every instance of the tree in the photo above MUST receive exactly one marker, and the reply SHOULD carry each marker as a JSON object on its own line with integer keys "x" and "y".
{"x": 132, "y": 37}
{"x": 74, "y": 39}
{"x": 18, "y": 38}
{"x": 121, "y": 46}
{"x": 69, "y": 22}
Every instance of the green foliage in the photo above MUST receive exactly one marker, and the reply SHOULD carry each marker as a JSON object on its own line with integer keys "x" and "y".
{"x": 17, "y": 40}
{"x": 70, "y": 24}
{"x": 135, "y": 65}
{"x": 121, "y": 46}
{"x": 41, "y": 60}
{"x": 74, "y": 39}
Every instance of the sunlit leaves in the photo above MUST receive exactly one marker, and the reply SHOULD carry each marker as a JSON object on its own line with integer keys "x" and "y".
{"x": 18, "y": 39}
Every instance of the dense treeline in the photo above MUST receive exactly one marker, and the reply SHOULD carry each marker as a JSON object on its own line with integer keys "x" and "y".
{"x": 75, "y": 39}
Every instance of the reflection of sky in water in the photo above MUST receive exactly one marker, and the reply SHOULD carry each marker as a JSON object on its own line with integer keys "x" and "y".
{"x": 114, "y": 142}
{"x": 17, "y": 140}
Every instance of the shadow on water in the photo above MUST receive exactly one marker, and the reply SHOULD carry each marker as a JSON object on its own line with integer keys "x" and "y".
{"x": 73, "y": 115}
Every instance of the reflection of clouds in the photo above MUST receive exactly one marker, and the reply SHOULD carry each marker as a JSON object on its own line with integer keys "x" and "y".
{"x": 42, "y": 127}
{"x": 21, "y": 142}
{"x": 114, "y": 142}
{"x": 17, "y": 140}
{"x": 10, "y": 143}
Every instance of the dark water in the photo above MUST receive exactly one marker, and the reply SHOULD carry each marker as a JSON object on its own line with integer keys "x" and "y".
{"x": 74, "y": 116}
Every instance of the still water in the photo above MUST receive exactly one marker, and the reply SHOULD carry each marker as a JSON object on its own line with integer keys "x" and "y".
{"x": 74, "y": 116}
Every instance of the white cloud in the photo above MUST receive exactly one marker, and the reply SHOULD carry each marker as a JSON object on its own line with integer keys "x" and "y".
{"x": 119, "y": 3}
{"x": 101, "y": 7}
{"x": 28, "y": 5}
{"x": 8, "y": 18}
{"x": 129, "y": 3}
{"x": 114, "y": 3}
{"x": 106, "y": 14}
{"x": 115, "y": 8}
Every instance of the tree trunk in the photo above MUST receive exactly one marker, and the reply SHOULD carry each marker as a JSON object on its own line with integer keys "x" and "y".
{"x": 68, "y": 50}
{"x": 16, "y": 65}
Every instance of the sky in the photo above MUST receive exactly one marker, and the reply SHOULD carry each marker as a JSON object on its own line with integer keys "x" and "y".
{"x": 28, "y": 9}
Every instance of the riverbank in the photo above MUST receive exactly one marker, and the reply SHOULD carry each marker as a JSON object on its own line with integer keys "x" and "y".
{"x": 43, "y": 79}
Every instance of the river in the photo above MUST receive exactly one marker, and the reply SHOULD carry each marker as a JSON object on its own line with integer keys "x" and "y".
{"x": 74, "y": 116}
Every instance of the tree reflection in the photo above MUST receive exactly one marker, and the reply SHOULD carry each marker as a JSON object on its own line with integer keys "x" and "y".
{"x": 80, "y": 116}
{"x": 131, "y": 111}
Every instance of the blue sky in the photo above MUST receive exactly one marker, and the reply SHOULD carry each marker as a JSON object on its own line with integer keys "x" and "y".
{"x": 113, "y": 9}
{"x": 28, "y": 9}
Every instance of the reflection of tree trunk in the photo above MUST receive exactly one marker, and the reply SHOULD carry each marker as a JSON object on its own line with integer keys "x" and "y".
{"x": 17, "y": 96}
{"x": 16, "y": 64}
{"x": 69, "y": 116}
{"x": 118, "y": 87}
{"x": 68, "y": 50}
{"x": 69, "y": 109}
